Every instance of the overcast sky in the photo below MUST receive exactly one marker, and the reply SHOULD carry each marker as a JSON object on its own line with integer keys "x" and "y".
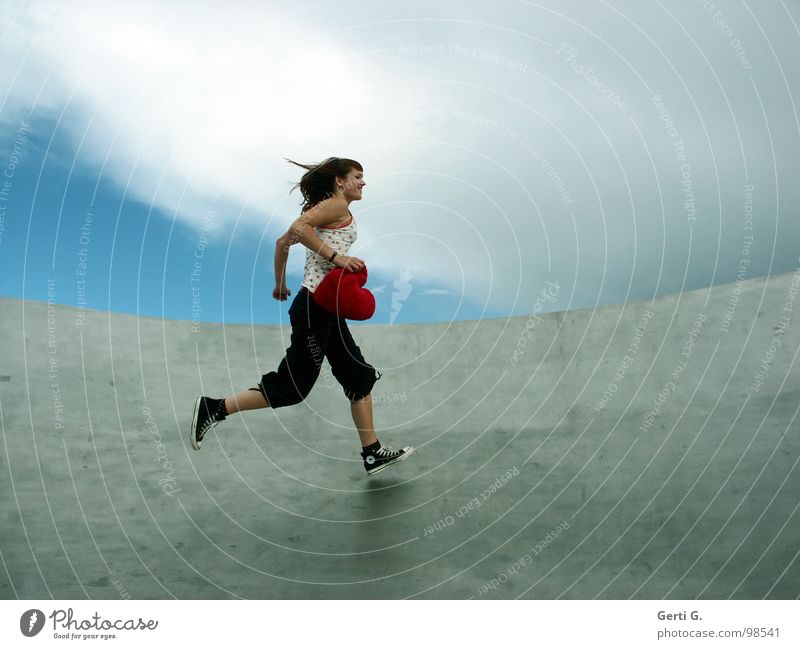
{"x": 608, "y": 147}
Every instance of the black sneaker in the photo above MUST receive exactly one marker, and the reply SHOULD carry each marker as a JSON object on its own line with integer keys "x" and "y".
{"x": 375, "y": 461}
{"x": 207, "y": 414}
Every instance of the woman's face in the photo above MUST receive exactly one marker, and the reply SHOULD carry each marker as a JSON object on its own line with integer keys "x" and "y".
{"x": 353, "y": 185}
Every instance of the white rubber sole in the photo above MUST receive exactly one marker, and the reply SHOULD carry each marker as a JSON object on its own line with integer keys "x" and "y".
{"x": 403, "y": 457}
{"x": 195, "y": 444}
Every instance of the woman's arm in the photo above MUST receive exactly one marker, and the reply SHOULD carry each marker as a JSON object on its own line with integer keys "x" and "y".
{"x": 302, "y": 231}
{"x": 322, "y": 214}
{"x": 281, "y": 257}
{"x": 310, "y": 239}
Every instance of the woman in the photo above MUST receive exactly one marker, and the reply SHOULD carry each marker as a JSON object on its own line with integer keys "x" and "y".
{"x": 327, "y": 229}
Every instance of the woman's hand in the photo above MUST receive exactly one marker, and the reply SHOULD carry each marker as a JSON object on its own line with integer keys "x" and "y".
{"x": 281, "y": 292}
{"x": 353, "y": 264}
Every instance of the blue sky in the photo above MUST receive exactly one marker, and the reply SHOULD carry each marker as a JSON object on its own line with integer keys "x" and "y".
{"x": 608, "y": 148}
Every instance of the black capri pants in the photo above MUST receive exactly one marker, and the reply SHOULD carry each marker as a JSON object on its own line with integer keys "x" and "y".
{"x": 317, "y": 333}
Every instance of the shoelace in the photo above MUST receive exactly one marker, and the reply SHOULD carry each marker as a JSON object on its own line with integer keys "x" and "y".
{"x": 387, "y": 452}
{"x": 209, "y": 423}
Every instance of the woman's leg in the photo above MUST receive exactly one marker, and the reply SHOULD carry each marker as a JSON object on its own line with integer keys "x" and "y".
{"x": 298, "y": 371}
{"x": 362, "y": 418}
{"x": 251, "y": 399}
{"x": 356, "y": 377}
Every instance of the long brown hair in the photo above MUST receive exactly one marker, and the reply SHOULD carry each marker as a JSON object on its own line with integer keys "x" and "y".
{"x": 319, "y": 181}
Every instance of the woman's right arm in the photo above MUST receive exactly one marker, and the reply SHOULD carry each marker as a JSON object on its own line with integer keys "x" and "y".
{"x": 302, "y": 231}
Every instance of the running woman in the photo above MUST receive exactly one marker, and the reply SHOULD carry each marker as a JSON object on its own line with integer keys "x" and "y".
{"x": 327, "y": 229}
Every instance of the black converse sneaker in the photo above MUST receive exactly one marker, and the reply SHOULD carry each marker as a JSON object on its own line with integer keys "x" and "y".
{"x": 208, "y": 413}
{"x": 377, "y": 457}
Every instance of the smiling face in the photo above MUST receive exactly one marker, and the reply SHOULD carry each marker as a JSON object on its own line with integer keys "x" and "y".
{"x": 352, "y": 185}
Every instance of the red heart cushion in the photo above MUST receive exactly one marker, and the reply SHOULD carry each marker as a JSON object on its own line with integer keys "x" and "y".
{"x": 343, "y": 293}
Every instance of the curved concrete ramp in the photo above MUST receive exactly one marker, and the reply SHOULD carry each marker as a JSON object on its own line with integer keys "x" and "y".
{"x": 644, "y": 451}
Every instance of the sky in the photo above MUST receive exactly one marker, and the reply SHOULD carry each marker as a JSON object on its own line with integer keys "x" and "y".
{"x": 518, "y": 155}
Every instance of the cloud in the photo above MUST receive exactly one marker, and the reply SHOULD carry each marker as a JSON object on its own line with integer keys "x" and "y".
{"x": 185, "y": 103}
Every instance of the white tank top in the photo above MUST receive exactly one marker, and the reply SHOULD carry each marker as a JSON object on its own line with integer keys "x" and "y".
{"x": 339, "y": 239}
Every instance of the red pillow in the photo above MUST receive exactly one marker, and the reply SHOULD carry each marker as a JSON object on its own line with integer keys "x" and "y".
{"x": 343, "y": 293}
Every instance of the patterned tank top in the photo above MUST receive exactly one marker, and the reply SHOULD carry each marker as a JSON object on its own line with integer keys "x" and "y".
{"x": 339, "y": 239}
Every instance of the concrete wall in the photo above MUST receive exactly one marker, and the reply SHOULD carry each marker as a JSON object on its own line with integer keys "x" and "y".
{"x": 690, "y": 493}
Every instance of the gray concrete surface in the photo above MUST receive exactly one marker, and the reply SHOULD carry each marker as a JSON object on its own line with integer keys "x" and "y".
{"x": 684, "y": 484}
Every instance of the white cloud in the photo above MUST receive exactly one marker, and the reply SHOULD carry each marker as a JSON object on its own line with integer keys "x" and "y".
{"x": 202, "y": 98}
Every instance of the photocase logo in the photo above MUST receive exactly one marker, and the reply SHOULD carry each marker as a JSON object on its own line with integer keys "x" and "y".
{"x": 402, "y": 291}
{"x": 31, "y": 622}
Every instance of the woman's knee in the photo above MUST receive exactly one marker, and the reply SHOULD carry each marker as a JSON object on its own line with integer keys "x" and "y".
{"x": 279, "y": 391}
{"x": 360, "y": 386}
{"x": 298, "y": 392}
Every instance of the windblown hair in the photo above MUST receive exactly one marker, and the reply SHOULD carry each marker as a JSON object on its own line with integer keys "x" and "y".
{"x": 319, "y": 181}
